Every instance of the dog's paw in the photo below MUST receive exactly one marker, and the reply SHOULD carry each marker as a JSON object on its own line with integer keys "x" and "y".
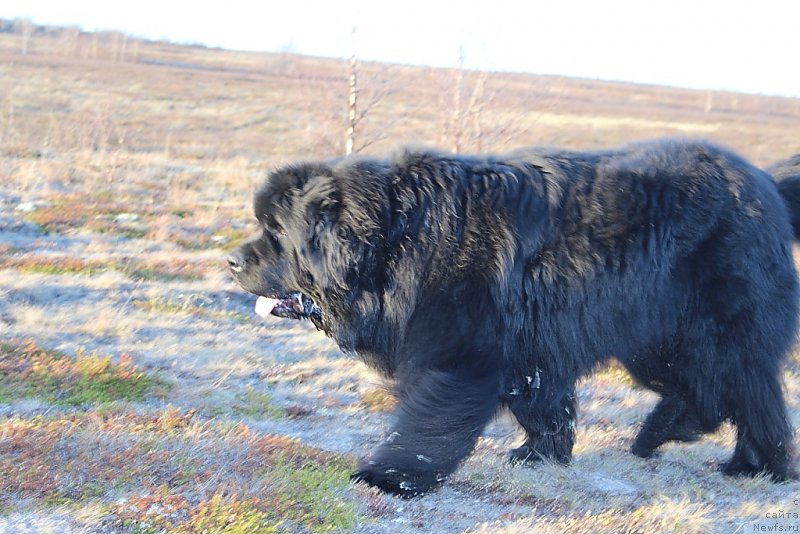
{"x": 524, "y": 455}
{"x": 643, "y": 451}
{"x": 394, "y": 482}
{"x": 533, "y": 454}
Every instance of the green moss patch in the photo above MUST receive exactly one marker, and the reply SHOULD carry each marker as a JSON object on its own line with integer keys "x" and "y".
{"x": 27, "y": 370}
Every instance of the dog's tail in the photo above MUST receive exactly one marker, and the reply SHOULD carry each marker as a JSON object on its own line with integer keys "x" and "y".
{"x": 787, "y": 177}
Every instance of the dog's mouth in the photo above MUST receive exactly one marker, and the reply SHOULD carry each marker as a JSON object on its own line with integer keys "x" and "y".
{"x": 291, "y": 306}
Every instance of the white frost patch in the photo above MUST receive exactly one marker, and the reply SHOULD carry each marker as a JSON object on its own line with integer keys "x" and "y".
{"x": 602, "y": 483}
{"x": 39, "y": 522}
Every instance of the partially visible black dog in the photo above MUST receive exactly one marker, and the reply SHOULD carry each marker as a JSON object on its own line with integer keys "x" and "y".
{"x": 787, "y": 175}
{"x": 481, "y": 281}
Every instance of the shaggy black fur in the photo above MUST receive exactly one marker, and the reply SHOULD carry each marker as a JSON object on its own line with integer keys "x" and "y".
{"x": 481, "y": 281}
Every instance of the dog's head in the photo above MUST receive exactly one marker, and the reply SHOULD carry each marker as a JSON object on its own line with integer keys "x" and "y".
{"x": 320, "y": 230}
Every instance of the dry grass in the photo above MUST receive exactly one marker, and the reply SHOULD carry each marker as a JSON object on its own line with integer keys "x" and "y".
{"x": 126, "y": 173}
{"x": 378, "y": 400}
{"x": 147, "y": 269}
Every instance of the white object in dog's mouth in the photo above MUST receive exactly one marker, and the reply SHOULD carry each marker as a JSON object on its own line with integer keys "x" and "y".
{"x": 264, "y": 305}
{"x": 290, "y": 306}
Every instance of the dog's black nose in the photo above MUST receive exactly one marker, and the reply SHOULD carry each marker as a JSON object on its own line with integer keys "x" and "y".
{"x": 236, "y": 262}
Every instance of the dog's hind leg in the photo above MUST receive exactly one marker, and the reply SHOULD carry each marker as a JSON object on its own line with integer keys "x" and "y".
{"x": 659, "y": 368}
{"x": 670, "y": 420}
{"x": 764, "y": 440}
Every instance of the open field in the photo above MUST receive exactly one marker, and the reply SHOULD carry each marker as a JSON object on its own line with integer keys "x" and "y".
{"x": 140, "y": 393}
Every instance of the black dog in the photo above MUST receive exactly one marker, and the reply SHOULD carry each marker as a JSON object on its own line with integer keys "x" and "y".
{"x": 787, "y": 176}
{"x": 480, "y": 281}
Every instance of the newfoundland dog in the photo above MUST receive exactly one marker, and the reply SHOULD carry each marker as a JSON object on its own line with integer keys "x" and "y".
{"x": 476, "y": 282}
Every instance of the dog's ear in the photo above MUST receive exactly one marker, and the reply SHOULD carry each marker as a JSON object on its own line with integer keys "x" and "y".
{"x": 324, "y": 202}
{"x": 284, "y": 186}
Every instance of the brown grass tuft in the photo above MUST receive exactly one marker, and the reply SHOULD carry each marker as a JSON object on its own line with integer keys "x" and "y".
{"x": 378, "y": 400}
